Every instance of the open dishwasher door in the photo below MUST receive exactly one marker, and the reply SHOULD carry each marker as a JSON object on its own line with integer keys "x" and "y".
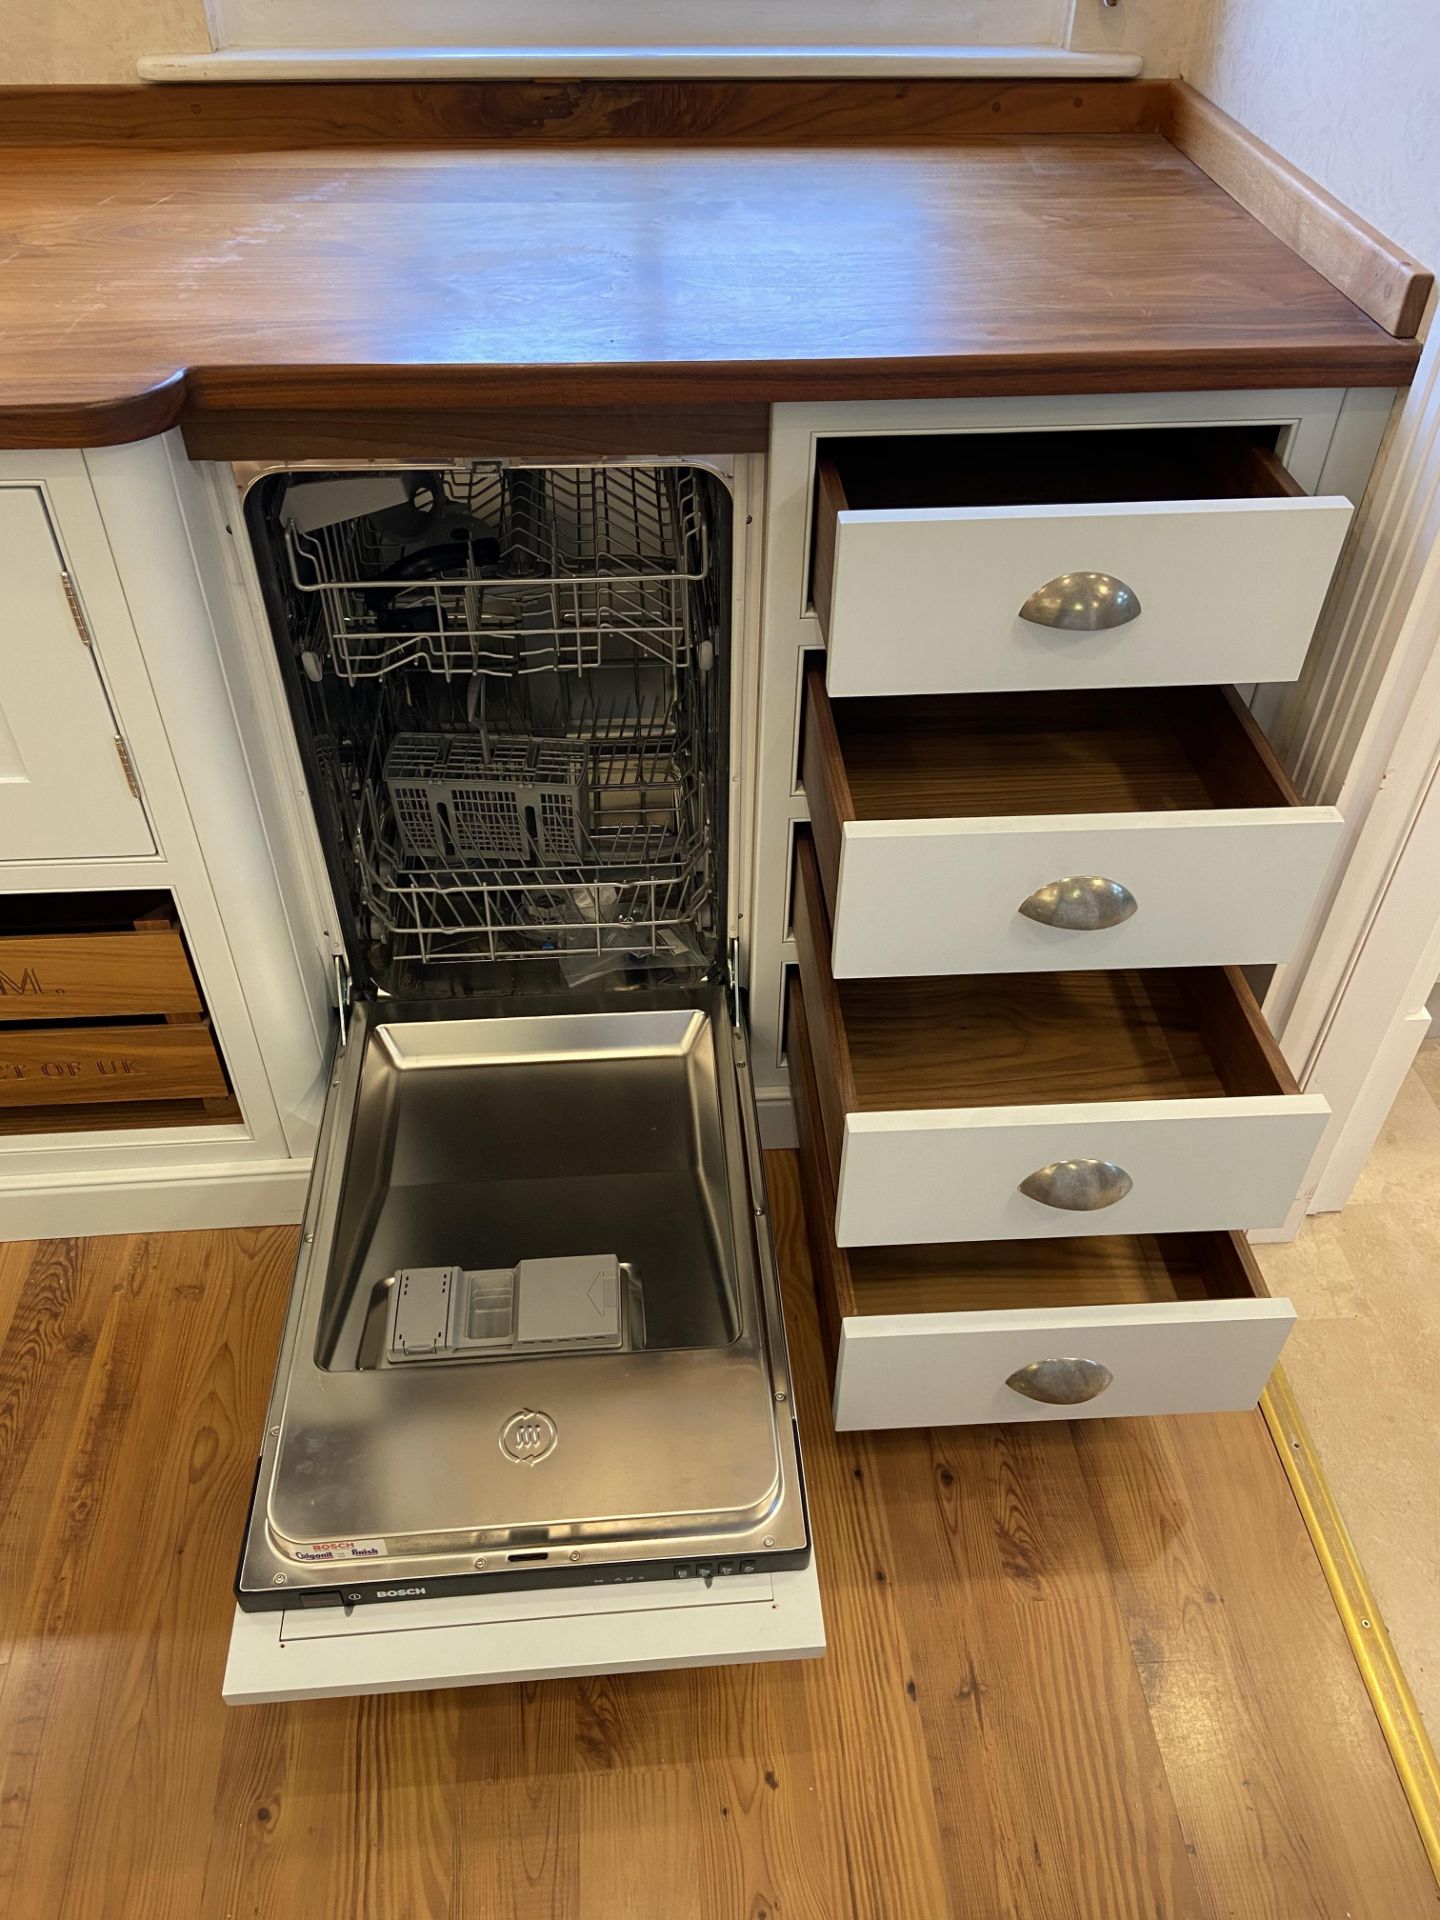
{"x": 534, "y": 1364}
{"x": 626, "y": 1436}
{"x": 534, "y": 1338}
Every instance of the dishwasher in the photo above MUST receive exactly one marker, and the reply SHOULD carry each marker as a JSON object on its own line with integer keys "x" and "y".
{"x": 534, "y": 1338}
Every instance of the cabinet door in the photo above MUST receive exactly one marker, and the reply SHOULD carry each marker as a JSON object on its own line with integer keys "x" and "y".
{"x": 64, "y": 791}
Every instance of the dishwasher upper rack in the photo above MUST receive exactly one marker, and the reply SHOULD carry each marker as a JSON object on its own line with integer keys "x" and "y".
{"x": 595, "y": 565}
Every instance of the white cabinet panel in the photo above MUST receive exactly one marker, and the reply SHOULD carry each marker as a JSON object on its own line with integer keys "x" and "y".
{"x": 64, "y": 793}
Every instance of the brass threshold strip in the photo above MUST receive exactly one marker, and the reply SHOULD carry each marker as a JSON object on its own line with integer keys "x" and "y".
{"x": 1384, "y": 1678}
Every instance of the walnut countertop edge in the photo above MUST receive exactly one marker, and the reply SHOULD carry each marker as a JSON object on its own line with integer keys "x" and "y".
{"x": 413, "y": 299}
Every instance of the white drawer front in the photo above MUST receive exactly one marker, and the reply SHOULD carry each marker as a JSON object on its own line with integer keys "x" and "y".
{"x": 955, "y": 1174}
{"x": 927, "y": 600}
{"x": 1226, "y": 887}
{"x": 950, "y": 1369}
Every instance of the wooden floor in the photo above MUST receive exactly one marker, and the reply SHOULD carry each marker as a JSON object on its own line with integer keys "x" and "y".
{"x": 1086, "y": 1673}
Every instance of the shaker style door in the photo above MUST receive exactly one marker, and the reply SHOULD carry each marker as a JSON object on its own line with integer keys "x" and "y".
{"x": 65, "y": 793}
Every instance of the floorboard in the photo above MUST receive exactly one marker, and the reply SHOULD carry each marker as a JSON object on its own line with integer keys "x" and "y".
{"x": 1083, "y": 1672}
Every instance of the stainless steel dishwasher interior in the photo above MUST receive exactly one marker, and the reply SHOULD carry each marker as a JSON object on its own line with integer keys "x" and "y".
{"x": 676, "y": 1440}
{"x": 482, "y": 1143}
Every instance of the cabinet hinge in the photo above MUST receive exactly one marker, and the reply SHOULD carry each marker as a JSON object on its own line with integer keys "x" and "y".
{"x": 342, "y": 995}
{"x": 128, "y": 765}
{"x": 77, "y": 612}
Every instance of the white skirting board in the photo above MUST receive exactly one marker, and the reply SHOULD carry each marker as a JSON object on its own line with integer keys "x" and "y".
{"x": 561, "y": 1633}
{"x": 63, "y": 1206}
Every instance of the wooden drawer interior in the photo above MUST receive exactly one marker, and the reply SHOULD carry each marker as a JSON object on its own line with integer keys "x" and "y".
{"x": 996, "y": 1040}
{"x": 976, "y": 1276}
{"x": 1079, "y": 466}
{"x": 994, "y": 755}
{"x": 903, "y": 473}
{"x": 102, "y": 1021}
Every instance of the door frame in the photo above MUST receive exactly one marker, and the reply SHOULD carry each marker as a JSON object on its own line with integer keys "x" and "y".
{"x": 1362, "y": 731}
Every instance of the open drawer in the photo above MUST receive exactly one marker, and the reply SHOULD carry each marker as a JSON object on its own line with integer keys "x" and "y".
{"x": 1015, "y": 1330}
{"x": 980, "y": 833}
{"x": 1153, "y": 556}
{"x": 1038, "y": 1105}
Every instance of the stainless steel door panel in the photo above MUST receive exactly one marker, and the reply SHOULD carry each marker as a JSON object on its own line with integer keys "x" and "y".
{"x": 478, "y": 1143}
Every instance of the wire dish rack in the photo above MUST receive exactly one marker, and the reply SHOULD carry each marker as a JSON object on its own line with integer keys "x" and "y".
{"x": 460, "y": 860}
{"x": 642, "y": 893}
{"x": 503, "y": 571}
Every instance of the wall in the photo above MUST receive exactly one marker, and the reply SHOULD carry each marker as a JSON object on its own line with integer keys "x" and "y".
{"x": 1346, "y": 91}
{"x": 1157, "y": 29}
{"x": 79, "y": 41}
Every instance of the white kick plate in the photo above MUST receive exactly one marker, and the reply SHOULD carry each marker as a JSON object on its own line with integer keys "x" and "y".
{"x": 480, "y": 1639}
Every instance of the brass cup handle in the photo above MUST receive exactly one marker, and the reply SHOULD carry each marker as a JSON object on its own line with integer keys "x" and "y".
{"x": 1081, "y": 903}
{"x": 1066, "y": 1382}
{"x": 1082, "y": 603}
{"x": 1077, "y": 1186}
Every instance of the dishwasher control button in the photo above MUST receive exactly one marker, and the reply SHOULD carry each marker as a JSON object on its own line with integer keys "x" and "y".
{"x": 321, "y": 1597}
{"x": 682, "y": 1573}
{"x": 726, "y": 1566}
{"x": 747, "y": 1566}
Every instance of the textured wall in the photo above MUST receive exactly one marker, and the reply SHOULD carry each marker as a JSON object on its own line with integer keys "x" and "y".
{"x": 98, "y": 40}
{"x": 1158, "y": 29}
{"x": 78, "y": 41}
{"x": 1349, "y": 92}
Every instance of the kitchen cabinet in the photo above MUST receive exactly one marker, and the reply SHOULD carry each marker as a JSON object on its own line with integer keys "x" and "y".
{"x": 151, "y": 1003}
{"x": 910, "y": 890}
{"x": 69, "y": 788}
{"x": 1017, "y": 828}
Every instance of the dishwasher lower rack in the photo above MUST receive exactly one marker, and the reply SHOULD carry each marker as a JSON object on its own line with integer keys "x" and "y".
{"x": 586, "y": 1382}
{"x": 644, "y": 893}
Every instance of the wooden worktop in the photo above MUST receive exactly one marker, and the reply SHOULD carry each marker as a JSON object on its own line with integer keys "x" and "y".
{"x": 323, "y": 297}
